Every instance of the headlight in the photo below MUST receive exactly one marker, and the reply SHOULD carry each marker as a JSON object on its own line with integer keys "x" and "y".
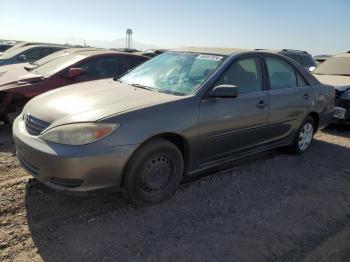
{"x": 78, "y": 134}
{"x": 346, "y": 94}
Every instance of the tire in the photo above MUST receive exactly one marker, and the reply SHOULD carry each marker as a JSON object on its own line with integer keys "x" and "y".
{"x": 153, "y": 173}
{"x": 303, "y": 137}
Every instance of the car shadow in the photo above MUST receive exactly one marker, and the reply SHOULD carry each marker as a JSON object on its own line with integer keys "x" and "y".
{"x": 338, "y": 130}
{"x": 6, "y": 140}
{"x": 198, "y": 223}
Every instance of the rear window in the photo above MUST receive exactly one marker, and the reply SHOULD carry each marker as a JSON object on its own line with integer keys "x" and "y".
{"x": 308, "y": 61}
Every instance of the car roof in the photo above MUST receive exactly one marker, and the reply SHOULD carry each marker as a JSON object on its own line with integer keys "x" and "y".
{"x": 93, "y": 52}
{"x": 343, "y": 55}
{"x": 278, "y": 51}
{"x": 212, "y": 50}
{"x": 23, "y": 48}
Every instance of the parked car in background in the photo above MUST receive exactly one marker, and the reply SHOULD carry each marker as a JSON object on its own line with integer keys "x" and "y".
{"x": 302, "y": 57}
{"x": 4, "y": 47}
{"x": 335, "y": 71}
{"x": 321, "y": 58}
{"x": 27, "y": 54}
{"x": 19, "y": 85}
{"x": 177, "y": 114}
{"x": 18, "y": 69}
{"x": 23, "y": 43}
{"x": 153, "y": 52}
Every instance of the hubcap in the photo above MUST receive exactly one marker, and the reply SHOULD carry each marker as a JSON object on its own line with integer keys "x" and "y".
{"x": 156, "y": 174}
{"x": 305, "y": 136}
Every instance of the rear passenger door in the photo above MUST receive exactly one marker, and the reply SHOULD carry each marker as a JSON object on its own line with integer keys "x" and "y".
{"x": 230, "y": 125}
{"x": 290, "y": 97}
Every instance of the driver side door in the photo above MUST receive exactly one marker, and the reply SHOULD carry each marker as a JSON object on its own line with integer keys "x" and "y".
{"x": 233, "y": 125}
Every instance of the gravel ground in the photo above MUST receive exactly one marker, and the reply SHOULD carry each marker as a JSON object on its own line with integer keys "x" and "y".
{"x": 270, "y": 207}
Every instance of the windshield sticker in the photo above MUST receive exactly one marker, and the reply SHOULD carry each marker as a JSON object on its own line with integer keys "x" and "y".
{"x": 210, "y": 57}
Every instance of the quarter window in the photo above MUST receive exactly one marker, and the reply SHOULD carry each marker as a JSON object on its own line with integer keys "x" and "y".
{"x": 245, "y": 74}
{"x": 281, "y": 74}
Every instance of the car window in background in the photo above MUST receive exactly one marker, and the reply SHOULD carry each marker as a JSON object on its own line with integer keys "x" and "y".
{"x": 301, "y": 81}
{"x": 174, "y": 72}
{"x": 53, "y": 67}
{"x": 281, "y": 74}
{"x": 32, "y": 54}
{"x": 16, "y": 46}
{"x": 101, "y": 67}
{"x": 13, "y": 53}
{"x": 308, "y": 61}
{"x": 334, "y": 66}
{"x": 50, "y": 57}
{"x": 129, "y": 62}
{"x": 295, "y": 57}
{"x": 245, "y": 74}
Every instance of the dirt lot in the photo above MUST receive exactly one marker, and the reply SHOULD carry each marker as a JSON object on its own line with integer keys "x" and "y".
{"x": 271, "y": 207}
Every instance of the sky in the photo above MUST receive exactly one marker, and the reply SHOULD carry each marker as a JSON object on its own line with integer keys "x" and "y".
{"x": 320, "y": 27}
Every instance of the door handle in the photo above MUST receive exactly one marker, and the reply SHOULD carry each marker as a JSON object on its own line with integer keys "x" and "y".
{"x": 261, "y": 104}
{"x": 306, "y": 96}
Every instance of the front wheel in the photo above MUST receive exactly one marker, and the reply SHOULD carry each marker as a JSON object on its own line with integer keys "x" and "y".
{"x": 304, "y": 136}
{"x": 154, "y": 172}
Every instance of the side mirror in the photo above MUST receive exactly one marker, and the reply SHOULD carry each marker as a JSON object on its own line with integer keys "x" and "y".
{"x": 312, "y": 68}
{"x": 22, "y": 58}
{"x": 74, "y": 72}
{"x": 224, "y": 91}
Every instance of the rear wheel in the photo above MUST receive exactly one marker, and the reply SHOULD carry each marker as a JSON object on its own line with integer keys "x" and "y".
{"x": 153, "y": 173}
{"x": 304, "y": 136}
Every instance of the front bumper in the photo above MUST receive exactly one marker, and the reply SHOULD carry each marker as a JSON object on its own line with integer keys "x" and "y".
{"x": 71, "y": 168}
{"x": 344, "y": 116}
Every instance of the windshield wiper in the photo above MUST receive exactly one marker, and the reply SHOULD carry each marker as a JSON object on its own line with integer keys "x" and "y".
{"x": 143, "y": 87}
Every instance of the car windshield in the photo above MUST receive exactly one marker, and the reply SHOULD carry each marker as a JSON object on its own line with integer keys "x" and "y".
{"x": 334, "y": 66}
{"x": 174, "y": 72}
{"x": 55, "y": 66}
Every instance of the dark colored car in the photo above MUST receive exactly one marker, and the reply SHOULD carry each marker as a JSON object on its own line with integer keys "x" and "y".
{"x": 67, "y": 67}
{"x": 335, "y": 71}
{"x": 27, "y": 54}
{"x": 4, "y": 47}
{"x": 302, "y": 57}
{"x": 175, "y": 115}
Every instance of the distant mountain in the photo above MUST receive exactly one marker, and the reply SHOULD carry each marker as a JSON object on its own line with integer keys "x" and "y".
{"x": 117, "y": 43}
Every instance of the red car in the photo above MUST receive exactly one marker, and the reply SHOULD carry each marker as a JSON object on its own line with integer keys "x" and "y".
{"x": 21, "y": 83}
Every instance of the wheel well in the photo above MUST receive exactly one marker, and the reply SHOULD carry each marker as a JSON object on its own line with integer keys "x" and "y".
{"x": 316, "y": 119}
{"x": 178, "y": 141}
{"x": 181, "y": 144}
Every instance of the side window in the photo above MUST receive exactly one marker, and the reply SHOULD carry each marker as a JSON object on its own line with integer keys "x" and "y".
{"x": 47, "y": 51}
{"x": 129, "y": 62}
{"x": 281, "y": 74}
{"x": 245, "y": 74}
{"x": 300, "y": 80}
{"x": 101, "y": 67}
{"x": 33, "y": 54}
{"x": 308, "y": 61}
{"x": 295, "y": 57}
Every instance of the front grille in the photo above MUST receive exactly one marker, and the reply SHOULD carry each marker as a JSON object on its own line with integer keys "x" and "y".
{"x": 33, "y": 170}
{"x": 33, "y": 125}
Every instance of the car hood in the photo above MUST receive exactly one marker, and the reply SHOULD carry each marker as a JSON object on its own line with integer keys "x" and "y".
{"x": 340, "y": 83}
{"x": 12, "y": 76}
{"x": 91, "y": 101}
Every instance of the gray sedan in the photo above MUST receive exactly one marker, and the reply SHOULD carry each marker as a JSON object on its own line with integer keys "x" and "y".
{"x": 180, "y": 113}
